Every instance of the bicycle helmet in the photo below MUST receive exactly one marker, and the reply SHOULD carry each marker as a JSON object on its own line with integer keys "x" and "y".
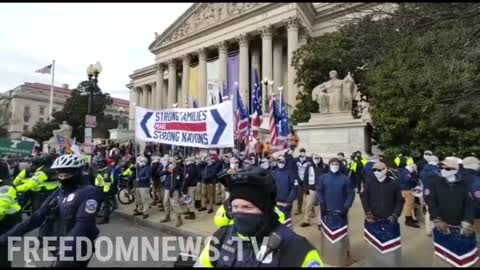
{"x": 68, "y": 162}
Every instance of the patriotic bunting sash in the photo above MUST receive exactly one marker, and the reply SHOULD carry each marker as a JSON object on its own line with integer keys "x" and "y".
{"x": 334, "y": 227}
{"x": 383, "y": 235}
{"x": 456, "y": 249}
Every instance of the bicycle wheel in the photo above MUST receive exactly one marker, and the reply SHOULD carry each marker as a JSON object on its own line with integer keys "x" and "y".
{"x": 124, "y": 197}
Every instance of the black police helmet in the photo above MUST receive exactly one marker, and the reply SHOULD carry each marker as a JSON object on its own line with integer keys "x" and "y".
{"x": 255, "y": 177}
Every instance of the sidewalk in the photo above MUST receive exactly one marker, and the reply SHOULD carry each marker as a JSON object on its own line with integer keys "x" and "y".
{"x": 417, "y": 248}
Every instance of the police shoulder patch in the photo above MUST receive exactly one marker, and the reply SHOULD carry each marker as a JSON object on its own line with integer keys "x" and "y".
{"x": 426, "y": 192}
{"x": 4, "y": 189}
{"x": 91, "y": 206}
{"x": 477, "y": 194}
{"x": 313, "y": 263}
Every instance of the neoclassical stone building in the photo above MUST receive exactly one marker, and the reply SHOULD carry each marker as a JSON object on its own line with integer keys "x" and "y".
{"x": 264, "y": 35}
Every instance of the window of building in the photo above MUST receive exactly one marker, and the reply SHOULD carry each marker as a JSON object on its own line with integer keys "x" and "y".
{"x": 26, "y": 118}
{"x": 27, "y": 110}
{"x": 25, "y": 127}
{"x": 42, "y": 110}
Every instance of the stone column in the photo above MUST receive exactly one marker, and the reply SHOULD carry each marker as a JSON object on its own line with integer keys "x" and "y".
{"x": 131, "y": 112}
{"x": 172, "y": 82}
{"x": 222, "y": 61}
{"x": 185, "y": 78}
{"x": 266, "y": 61}
{"x": 277, "y": 64}
{"x": 160, "y": 92}
{"x": 202, "y": 59}
{"x": 243, "y": 84}
{"x": 145, "y": 96}
{"x": 292, "y": 35}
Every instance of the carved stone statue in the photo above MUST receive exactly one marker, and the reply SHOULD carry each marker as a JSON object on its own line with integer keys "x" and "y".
{"x": 330, "y": 94}
{"x": 365, "y": 110}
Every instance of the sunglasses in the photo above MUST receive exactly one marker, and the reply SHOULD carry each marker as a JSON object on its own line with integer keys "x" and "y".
{"x": 448, "y": 169}
{"x": 377, "y": 170}
{"x": 281, "y": 161}
{"x": 427, "y": 154}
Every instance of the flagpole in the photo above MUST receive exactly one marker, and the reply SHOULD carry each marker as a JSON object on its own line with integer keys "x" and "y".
{"x": 51, "y": 90}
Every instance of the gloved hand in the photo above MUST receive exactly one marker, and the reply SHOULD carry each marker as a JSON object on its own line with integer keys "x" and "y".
{"x": 442, "y": 226}
{"x": 370, "y": 218}
{"x": 393, "y": 219}
{"x": 306, "y": 191}
{"x": 466, "y": 229}
{"x": 344, "y": 212}
{"x": 323, "y": 209}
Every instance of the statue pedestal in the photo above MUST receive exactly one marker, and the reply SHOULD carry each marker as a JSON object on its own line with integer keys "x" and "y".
{"x": 330, "y": 133}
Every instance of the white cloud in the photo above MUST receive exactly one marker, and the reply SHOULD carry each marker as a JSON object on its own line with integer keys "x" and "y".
{"x": 75, "y": 35}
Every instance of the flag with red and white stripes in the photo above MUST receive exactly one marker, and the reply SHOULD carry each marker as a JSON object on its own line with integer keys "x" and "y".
{"x": 273, "y": 126}
{"x": 241, "y": 116}
{"x": 45, "y": 70}
{"x": 256, "y": 107}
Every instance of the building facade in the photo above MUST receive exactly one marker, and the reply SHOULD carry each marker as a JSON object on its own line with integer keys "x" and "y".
{"x": 22, "y": 107}
{"x": 264, "y": 35}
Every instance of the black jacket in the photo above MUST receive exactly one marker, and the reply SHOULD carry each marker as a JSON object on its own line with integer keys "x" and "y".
{"x": 318, "y": 170}
{"x": 191, "y": 175}
{"x": 382, "y": 199}
{"x": 450, "y": 202}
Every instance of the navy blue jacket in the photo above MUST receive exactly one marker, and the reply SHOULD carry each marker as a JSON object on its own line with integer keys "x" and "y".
{"x": 318, "y": 170}
{"x": 173, "y": 180}
{"x": 144, "y": 176}
{"x": 74, "y": 211}
{"x": 428, "y": 173}
{"x": 472, "y": 178}
{"x": 209, "y": 172}
{"x": 407, "y": 181}
{"x": 367, "y": 171}
{"x": 335, "y": 191}
{"x": 287, "y": 185}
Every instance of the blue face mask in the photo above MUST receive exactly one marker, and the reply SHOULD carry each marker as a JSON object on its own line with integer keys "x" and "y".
{"x": 247, "y": 224}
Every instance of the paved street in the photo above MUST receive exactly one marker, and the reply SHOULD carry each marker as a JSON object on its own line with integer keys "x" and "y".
{"x": 118, "y": 227}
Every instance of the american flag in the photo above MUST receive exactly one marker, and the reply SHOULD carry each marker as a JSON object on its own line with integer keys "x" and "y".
{"x": 273, "y": 124}
{"x": 45, "y": 70}
{"x": 241, "y": 116}
{"x": 256, "y": 107}
{"x": 282, "y": 139}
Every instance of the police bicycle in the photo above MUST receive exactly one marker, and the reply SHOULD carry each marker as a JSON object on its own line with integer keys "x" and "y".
{"x": 126, "y": 191}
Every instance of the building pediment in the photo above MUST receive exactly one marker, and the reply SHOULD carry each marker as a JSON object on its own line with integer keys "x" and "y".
{"x": 202, "y": 16}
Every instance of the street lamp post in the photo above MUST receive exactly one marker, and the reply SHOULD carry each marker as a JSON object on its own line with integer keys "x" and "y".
{"x": 92, "y": 72}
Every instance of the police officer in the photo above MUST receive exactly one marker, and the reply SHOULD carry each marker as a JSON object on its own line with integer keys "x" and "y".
{"x": 252, "y": 200}
{"x": 452, "y": 211}
{"x": 10, "y": 211}
{"x": 311, "y": 178}
{"x": 103, "y": 182}
{"x": 42, "y": 184}
{"x": 189, "y": 185}
{"x": 25, "y": 173}
{"x": 356, "y": 167}
{"x": 287, "y": 188}
{"x": 68, "y": 211}
{"x": 172, "y": 185}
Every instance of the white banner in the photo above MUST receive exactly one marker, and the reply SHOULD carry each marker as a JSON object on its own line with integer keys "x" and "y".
{"x": 207, "y": 127}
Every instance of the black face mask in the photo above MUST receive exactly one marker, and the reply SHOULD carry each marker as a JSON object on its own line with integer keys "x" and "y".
{"x": 247, "y": 224}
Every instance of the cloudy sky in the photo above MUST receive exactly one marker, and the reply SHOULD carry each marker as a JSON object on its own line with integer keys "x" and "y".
{"x": 75, "y": 35}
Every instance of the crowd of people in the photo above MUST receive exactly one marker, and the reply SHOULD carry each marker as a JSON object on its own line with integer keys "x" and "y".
{"x": 184, "y": 182}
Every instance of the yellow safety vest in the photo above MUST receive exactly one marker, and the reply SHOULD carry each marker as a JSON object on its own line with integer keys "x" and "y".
{"x": 21, "y": 177}
{"x": 221, "y": 220}
{"x": 128, "y": 172}
{"x": 409, "y": 160}
{"x": 353, "y": 164}
{"x": 104, "y": 179}
{"x": 8, "y": 201}
{"x": 38, "y": 181}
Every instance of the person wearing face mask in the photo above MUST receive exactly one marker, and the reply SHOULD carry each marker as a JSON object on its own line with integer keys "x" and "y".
{"x": 311, "y": 178}
{"x": 301, "y": 164}
{"x": 471, "y": 175}
{"x": 189, "y": 185}
{"x": 382, "y": 202}
{"x": 252, "y": 202}
{"x": 343, "y": 164}
{"x": 272, "y": 163}
{"x": 452, "y": 210}
{"x": 142, "y": 190}
{"x": 430, "y": 172}
{"x": 211, "y": 169}
{"x": 427, "y": 154}
{"x": 173, "y": 183}
{"x": 68, "y": 211}
{"x": 407, "y": 183}
{"x": 265, "y": 164}
{"x": 335, "y": 194}
{"x": 287, "y": 188}
{"x": 356, "y": 167}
